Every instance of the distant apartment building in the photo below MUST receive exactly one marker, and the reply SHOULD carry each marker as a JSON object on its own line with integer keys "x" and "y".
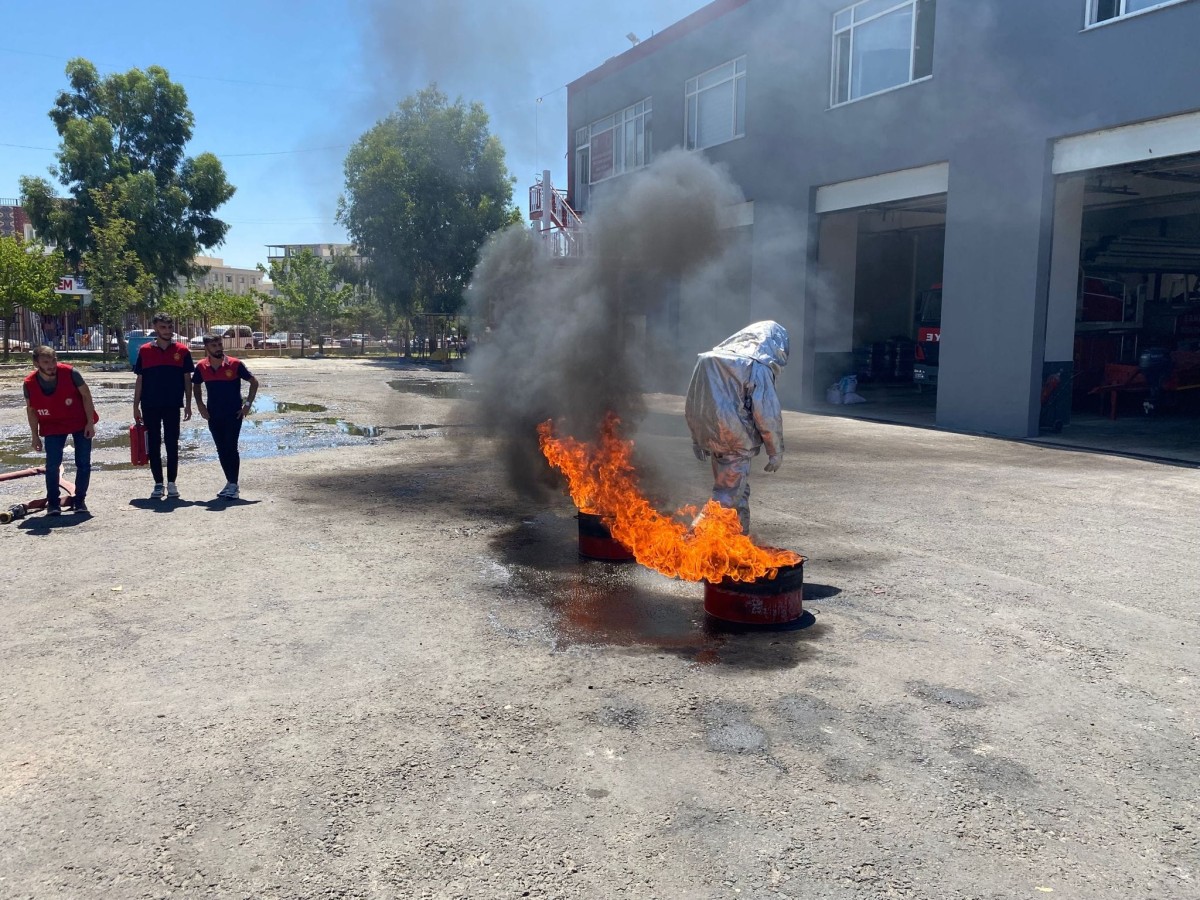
{"x": 229, "y": 278}
{"x": 327, "y": 250}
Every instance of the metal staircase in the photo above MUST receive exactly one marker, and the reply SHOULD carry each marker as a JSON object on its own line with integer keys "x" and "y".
{"x": 560, "y": 227}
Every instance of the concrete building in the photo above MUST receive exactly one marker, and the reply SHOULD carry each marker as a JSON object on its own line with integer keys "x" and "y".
{"x": 1037, "y": 163}
{"x": 230, "y": 278}
{"x": 327, "y": 250}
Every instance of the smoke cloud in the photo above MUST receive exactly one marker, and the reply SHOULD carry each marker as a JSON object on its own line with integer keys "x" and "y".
{"x": 574, "y": 339}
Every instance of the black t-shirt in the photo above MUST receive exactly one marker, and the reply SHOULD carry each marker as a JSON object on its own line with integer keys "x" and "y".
{"x": 49, "y": 387}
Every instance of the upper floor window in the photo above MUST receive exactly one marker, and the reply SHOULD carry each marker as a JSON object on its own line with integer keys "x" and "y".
{"x": 615, "y": 144}
{"x": 881, "y": 44}
{"x": 1103, "y": 10}
{"x": 716, "y": 105}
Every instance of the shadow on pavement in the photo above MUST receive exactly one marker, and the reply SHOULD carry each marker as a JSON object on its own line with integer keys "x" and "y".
{"x": 41, "y": 525}
{"x": 220, "y": 504}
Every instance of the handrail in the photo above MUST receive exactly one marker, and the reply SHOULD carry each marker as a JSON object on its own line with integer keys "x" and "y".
{"x": 562, "y": 231}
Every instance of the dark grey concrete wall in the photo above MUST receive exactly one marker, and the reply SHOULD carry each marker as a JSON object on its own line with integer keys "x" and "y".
{"x": 1008, "y": 79}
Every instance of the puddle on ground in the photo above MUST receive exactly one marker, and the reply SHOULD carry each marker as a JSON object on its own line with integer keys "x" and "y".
{"x": 266, "y": 403}
{"x": 260, "y": 439}
{"x": 443, "y": 390}
{"x": 288, "y": 407}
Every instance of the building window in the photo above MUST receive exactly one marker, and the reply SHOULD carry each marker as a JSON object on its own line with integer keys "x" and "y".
{"x": 879, "y": 45}
{"x": 229, "y": 279}
{"x": 715, "y": 105}
{"x": 1105, "y": 10}
{"x": 613, "y": 145}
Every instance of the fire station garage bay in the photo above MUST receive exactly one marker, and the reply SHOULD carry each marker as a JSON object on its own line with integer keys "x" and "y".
{"x": 988, "y": 214}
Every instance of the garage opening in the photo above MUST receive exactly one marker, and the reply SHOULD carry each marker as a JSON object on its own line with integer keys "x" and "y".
{"x": 1122, "y": 357}
{"x": 889, "y": 324}
{"x": 1136, "y": 360}
{"x": 898, "y": 309}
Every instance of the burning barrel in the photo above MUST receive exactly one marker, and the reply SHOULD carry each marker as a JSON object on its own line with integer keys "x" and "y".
{"x": 596, "y": 542}
{"x": 764, "y": 601}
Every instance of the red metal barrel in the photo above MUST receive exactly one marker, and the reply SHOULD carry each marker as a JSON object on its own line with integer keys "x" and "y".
{"x": 596, "y": 542}
{"x": 766, "y": 601}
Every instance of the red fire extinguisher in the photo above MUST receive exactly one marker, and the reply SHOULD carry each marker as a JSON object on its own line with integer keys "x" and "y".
{"x": 139, "y": 448}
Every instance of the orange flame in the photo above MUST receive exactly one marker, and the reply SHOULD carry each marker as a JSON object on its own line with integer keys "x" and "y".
{"x": 601, "y": 480}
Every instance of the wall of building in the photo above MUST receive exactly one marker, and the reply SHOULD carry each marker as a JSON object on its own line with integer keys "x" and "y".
{"x": 229, "y": 278}
{"x": 1008, "y": 79}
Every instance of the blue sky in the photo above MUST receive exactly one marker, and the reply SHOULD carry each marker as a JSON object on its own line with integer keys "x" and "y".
{"x": 281, "y": 88}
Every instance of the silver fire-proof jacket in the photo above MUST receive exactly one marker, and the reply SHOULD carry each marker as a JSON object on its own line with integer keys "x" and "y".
{"x": 732, "y": 408}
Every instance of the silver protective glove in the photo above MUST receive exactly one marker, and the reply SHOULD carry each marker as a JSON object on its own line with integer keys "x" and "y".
{"x": 773, "y": 463}
{"x": 700, "y": 453}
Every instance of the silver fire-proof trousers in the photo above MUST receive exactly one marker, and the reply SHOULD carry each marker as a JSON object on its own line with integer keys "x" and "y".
{"x": 731, "y": 485}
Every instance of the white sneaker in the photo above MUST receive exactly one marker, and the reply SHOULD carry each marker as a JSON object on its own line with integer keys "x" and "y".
{"x": 157, "y": 493}
{"x": 172, "y": 491}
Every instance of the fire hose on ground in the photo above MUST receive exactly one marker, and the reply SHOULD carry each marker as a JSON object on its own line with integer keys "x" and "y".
{"x": 21, "y": 510}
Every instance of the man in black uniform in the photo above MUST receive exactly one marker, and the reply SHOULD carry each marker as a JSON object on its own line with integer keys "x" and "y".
{"x": 225, "y": 408}
{"x": 163, "y": 367}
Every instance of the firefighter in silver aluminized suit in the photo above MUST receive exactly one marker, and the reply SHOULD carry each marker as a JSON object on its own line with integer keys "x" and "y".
{"x": 732, "y": 410}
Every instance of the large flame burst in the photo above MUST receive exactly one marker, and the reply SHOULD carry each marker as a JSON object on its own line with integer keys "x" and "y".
{"x": 602, "y": 480}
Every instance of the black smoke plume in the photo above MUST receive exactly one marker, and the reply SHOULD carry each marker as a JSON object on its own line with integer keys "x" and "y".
{"x": 574, "y": 339}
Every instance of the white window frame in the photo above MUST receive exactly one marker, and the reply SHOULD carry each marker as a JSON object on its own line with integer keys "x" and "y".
{"x": 1091, "y": 7}
{"x": 618, "y": 122}
{"x": 851, "y": 25}
{"x": 692, "y": 89}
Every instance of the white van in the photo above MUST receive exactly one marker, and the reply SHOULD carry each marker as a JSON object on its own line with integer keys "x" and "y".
{"x": 235, "y": 337}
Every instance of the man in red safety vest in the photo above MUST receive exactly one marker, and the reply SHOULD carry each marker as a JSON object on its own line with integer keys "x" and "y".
{"x": 57, "y": 404}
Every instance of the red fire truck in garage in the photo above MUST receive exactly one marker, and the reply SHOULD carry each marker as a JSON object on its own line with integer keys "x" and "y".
{"x": 929, "y": 336}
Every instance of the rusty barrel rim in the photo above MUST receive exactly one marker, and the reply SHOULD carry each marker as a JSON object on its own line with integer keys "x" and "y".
{"x": 766, "y": 601}
{"x": 788, "y": 578}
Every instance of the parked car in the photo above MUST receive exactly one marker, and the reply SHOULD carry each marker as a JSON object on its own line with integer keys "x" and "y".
{"x": 282, "y": 339}
{"x": 259, "y": 337}
{"x": 235, "y": 337}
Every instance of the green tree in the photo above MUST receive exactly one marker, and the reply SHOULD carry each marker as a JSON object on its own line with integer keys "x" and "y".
{"x": 127, "y": 133}
{"x": 361, "y": 312}
{"x": 28, "y": 275}
{"x": 115, "y": 274}
{"x": 212, "y": 306}
{"x": 424, "y": 189}
{"x": 309, "y": 290}
{"x": 241, "y": 309}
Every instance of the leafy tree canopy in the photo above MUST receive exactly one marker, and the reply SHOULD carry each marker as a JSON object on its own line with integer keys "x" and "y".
{"x": 214, "y": 306}
{"x": 116, "y": 276}
{"x": 126, "y": 133}
{"x": 309, "y": 290}
{"x": 424, "y": 188}
{"x": 28, "y": 275}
